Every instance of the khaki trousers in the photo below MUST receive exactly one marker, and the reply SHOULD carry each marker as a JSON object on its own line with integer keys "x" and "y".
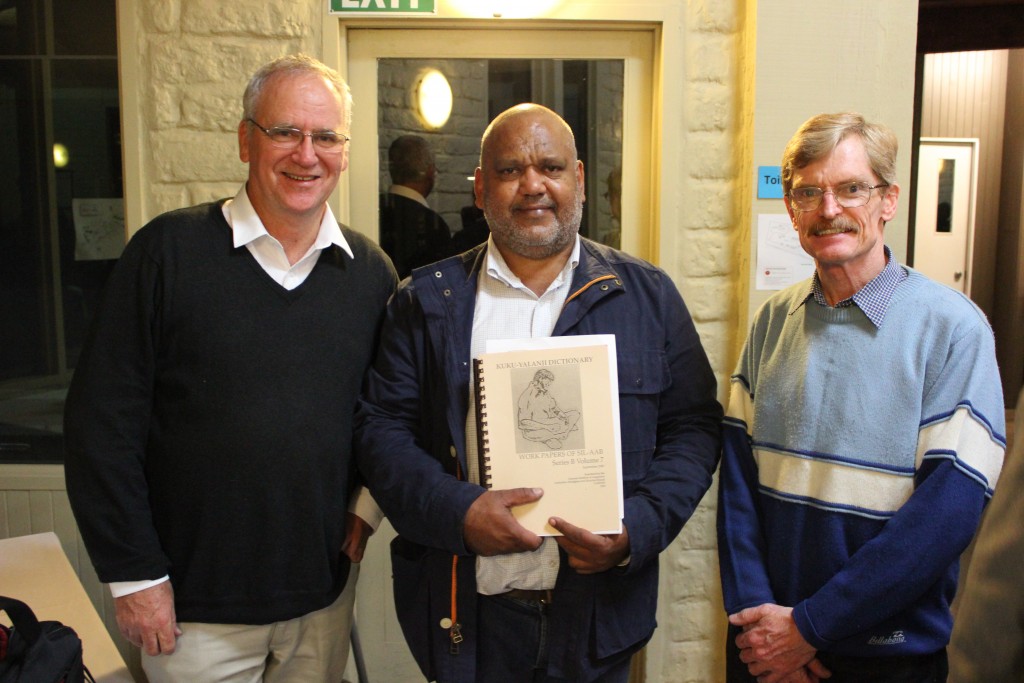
{"x": 313, "y": 647}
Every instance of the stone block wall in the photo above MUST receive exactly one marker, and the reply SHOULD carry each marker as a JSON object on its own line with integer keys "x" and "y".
{"x": 708, "y": 262}
{"x": 196, "y": 58}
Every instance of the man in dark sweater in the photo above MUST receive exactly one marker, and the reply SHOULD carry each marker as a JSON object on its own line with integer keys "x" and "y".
{"x": 209, "y": 422}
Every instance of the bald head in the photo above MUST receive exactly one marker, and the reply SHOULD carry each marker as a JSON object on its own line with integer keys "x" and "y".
{"x": 519, "y": 114}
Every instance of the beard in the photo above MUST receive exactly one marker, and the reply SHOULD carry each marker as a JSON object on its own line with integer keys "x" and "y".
{"x": 530, "y": 243}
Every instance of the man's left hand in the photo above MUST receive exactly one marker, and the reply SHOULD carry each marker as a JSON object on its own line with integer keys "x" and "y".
{"x": 591, "y": 553}
{"x": 357, "y": 533}
{"x": 770, "y": 644}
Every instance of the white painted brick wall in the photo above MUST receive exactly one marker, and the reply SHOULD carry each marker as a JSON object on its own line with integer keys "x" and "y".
{"x": 708, "y": 266}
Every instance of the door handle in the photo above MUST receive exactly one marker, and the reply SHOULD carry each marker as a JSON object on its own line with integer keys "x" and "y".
{"x": 957, "y": 275}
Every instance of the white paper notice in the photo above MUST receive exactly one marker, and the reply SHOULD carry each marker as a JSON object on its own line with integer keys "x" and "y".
{"x": 99, "y": 228}
{"x": 781, "y": 261}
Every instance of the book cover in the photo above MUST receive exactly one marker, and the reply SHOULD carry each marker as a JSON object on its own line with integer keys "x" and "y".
{"x": 548, "y": 417}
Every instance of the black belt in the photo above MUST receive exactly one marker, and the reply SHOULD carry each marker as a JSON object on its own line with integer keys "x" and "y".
{"x": 544, "y": 597}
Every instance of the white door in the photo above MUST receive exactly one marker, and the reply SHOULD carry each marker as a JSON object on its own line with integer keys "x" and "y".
{"x": 944, "y": 216}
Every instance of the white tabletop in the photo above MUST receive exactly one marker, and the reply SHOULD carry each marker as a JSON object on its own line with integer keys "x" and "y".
{"x": 35, "y": 570}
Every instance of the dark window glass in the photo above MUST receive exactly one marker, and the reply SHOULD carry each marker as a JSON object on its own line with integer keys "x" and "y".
{"x": 25, "y": 305}
{"x": 84, "y": 27}
{"x": 21, "y": 27}
{"x": 60, "y": 132}
{"x": 86, "y": 122}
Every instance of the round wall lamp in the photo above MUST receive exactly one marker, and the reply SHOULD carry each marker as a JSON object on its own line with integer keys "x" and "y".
{"x": 60, "y": 155}
{"x": 433, "y": 98}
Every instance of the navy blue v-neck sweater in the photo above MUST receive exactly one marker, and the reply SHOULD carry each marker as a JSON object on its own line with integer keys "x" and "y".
{"x": 209, "y": 422}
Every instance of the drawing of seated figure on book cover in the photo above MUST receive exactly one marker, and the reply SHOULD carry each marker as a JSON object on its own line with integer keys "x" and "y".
{"x": 540, "y": 418}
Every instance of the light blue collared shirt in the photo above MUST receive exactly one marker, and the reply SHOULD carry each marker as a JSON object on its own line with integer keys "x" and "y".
{"x": 874, "y": 297}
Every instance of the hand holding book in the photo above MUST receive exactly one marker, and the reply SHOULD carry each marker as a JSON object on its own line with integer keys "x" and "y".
{"x": 591, "y": 553}
{"x": 491, "y": 529}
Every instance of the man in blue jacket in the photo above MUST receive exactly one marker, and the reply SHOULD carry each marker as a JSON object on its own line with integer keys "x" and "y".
{"x": 479, "y": 597}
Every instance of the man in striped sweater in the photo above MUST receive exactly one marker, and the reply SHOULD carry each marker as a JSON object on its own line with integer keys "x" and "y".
{"x": 863, "y": 437}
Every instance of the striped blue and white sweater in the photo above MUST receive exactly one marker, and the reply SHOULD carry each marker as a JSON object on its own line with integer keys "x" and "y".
{"x": 857, "y": 460}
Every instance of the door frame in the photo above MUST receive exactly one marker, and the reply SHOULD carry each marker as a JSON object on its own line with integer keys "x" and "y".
{"x": 645, "y": 207}
{"x": 635, "y": 48}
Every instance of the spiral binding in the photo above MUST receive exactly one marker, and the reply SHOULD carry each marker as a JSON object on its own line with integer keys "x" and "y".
{"x": 483, "y": 441}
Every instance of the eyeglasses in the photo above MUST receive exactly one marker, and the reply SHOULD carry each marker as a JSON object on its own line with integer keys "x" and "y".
{"x": 848, "y": 195}
{"x": 290, "y": 138}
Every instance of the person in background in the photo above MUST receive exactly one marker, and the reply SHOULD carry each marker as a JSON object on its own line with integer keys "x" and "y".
{"x": 411, "y": 233}
{"x": 988, "y": 629}
{"x": 863, "y": 436}
{"x": 209, "y": 422}
{"x": 479, "y": 597}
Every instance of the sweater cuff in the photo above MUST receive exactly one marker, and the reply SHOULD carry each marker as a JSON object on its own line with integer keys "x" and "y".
{"x": 803, "y": 622}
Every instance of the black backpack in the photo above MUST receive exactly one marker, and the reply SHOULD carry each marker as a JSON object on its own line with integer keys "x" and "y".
{"x": 38, "y": 652}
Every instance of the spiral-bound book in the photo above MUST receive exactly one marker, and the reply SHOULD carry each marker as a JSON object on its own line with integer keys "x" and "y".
{"x": 548, "y": 417}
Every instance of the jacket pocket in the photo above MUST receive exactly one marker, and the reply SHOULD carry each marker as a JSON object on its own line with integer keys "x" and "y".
{"x": 624, "y": 611}
{"x": 643, "y": 376}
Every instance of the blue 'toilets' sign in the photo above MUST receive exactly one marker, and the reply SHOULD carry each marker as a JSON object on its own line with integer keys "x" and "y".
{"x": 383, "y": 7}
{"x": 769, "y": 182}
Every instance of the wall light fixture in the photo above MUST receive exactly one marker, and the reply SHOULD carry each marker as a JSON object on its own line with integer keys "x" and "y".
{"x": 433, "y": 97}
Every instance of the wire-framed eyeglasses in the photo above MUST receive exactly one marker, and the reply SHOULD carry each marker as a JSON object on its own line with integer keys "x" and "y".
{"x": 289, "y": 138}
{"x": 848, "y": 195}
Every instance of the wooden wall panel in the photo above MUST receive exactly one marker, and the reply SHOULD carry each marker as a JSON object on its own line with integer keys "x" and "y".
{"x": 964, "y": 96}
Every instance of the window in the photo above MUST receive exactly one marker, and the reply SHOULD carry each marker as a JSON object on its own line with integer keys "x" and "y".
{"x": 61, "y": 215}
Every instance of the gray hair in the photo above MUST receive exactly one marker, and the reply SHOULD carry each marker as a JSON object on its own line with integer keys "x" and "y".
{"x": 821, "y": 134}
{"x": 289, "y": 66}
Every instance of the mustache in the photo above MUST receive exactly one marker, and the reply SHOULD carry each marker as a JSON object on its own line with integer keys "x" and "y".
{"x": 530, "y": 206}
{"x": 838, "y": 224}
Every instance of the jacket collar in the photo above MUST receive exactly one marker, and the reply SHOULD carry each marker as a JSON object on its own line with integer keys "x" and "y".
{"x": 454, "y": 280}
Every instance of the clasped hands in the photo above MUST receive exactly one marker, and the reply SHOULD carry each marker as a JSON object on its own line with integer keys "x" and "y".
{"x": 490, "y": 528}
{"x": 772, "y": 647}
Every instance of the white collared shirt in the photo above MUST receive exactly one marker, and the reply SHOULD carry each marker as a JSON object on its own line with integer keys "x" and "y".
{"x": 247, "y": 229}
{"x": 508, "y": 309}
{"x": 408, "y": 193}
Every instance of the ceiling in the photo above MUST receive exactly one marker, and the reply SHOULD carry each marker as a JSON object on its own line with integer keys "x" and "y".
{"x": 962, "y": 25}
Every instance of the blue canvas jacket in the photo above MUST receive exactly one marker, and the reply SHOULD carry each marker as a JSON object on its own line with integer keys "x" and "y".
{"x": 411, "y": 440}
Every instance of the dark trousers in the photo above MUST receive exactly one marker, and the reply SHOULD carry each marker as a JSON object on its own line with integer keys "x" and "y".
{"x": 514, "y": 644}
{"x": 930, "y": 668}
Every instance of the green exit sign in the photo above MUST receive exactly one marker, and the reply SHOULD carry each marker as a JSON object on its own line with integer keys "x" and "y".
{"x": 383, "y": 7}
